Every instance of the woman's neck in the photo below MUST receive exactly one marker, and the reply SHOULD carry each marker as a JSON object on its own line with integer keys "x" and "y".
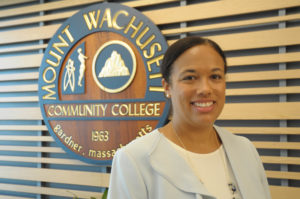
{"x": 200, "y": 139}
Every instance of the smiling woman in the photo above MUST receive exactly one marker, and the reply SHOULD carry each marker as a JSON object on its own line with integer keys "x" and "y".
{"x": 213, "y": 163}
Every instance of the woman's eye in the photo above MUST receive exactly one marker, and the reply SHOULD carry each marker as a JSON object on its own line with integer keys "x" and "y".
{"x": 216, "y": 76}
{"x": 189, "y": 77}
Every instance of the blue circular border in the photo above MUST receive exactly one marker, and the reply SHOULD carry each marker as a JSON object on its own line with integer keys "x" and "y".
{"x": 79, "y": 33}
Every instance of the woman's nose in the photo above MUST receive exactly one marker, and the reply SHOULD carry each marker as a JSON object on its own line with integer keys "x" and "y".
{"x": 204, "y": 87}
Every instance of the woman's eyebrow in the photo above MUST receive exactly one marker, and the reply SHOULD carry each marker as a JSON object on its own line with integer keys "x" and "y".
{"x": 217, "y": 69}
{"x": 189, "y": 71}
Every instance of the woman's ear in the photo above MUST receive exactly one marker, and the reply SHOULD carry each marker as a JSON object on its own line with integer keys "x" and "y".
{"x": 166, "y": 87}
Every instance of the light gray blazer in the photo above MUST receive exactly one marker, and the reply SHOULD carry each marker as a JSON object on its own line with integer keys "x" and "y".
{"x": 150, "y": 168}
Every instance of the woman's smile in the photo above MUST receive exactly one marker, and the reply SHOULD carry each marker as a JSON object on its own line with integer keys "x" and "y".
{"x": 203, "y": 106}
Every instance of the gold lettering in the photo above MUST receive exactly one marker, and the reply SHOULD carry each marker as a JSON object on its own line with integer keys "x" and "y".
{"x": 81, "y": 110}
{"x": 126, "y": 109}
{"x": 69, "y": 35}
{"x": 50, "y": 94}
{"x": 74, "y": 111}
{"x": 136, "y": 109}
{"x": 156, "y": 75}
{"x": 142, "y": 109}
{"x": 114, "y": 20}
{"x": 88, "y": 109}
{"x": 154, "y": 60}
{"x": 53, "y": 75}
{"x": 101, "y": 136}
{"x": 138, "y": 39}
{"x": 152, "y": 50}
{"x": 135, "y": 28}
{"x": 103, "y": 107}
{"x": 58, "y": 110}
{"x": 93, "y": 21}
{"x": 156, "y": 109}
{"x": 107, "y": 18}
{"x": 49, "y": 112}
{"x": 66, "y": 111}
{"x": 113, "y": 109}
{"x": 156, "y": 89}
{"x": 149, "y": 109}
{"x": 62, "y": 44}
{"x": 58, "y": 58}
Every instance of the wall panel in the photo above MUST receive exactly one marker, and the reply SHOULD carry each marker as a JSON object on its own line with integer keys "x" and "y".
{"x": 262, "y": 43}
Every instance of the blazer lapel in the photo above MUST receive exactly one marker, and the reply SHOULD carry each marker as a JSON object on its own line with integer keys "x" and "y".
{"x": 238, "y": 162}
{"x": 165, "y": 160}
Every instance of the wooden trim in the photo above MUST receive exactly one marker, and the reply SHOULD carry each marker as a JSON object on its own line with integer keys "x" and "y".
{"x": 283, "y": 175}
{"x": 45, "y": 7}
{"x": 68, "y": 4}
{"x": 32, "y": 149}
{"x": 19, "y": 88}
{"x": 37, "y": 19}
{"x": 280, "y": 160}
{"x": 260, "y": 111}
{"x": 24, "y": 61}
{"x": 257, "y": 39}
{"x": 23, "y": 128}
{"x": 65, "y": 15}
{"x": 265, "y": 130}
{"x": 57, "y": 176}
{"x": 26, "y": 113}
{"x": 263, "y": 76}
{"x": 281, "y": 192}
{"x": 19, "y": 76}
{"x": 28, "y": 34}
{"x": 264, "y": 59}
{"x": 26, "y": 138}
{"x": 142, "y": 3}
{"x": 23, "y": 48}
{"x": 62, "y": 161}
{"x": 12, "y": 197}
{"x": 277, "y": 145}
{"x": 70, "y": 193}
{"x": 263, "y": 91}
{"x": 237, "y": 41}
{"x": 209, "y": 10}
{"x": 228, "y": 25}
{"x": 13, "y": 2}
{"x": 19, "y": 99}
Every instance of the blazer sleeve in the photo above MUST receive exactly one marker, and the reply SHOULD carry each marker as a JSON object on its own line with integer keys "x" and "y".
{"x": 261, "y": 171}
{"x": 126, "y": 181}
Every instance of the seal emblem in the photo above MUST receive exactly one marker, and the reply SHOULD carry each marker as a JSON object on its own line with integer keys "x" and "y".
{"x": 100, "y": 82}
{"x": 120, "y": 64}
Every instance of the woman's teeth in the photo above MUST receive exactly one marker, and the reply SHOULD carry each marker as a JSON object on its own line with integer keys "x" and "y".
{"x": 203, "y": 104}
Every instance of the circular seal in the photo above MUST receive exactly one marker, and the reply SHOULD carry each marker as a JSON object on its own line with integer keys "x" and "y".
{"x": 100, "y": 82}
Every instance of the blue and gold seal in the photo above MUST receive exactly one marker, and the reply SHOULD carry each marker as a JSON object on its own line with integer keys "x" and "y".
{"x": 100, "y": 82}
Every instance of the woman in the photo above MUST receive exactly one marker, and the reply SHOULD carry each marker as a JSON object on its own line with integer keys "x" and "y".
{"x": 190, "y": 157}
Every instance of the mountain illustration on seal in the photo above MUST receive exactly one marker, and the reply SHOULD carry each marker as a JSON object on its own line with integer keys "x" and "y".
{"x": 114, "y": 66}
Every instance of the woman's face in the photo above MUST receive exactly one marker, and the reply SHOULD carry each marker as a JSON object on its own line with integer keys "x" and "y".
{"x": 197, "y": 86}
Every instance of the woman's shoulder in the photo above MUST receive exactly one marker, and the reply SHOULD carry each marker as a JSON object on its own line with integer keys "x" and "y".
{"x": 142, "y": 145}
{"x": 229, "y": 136}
